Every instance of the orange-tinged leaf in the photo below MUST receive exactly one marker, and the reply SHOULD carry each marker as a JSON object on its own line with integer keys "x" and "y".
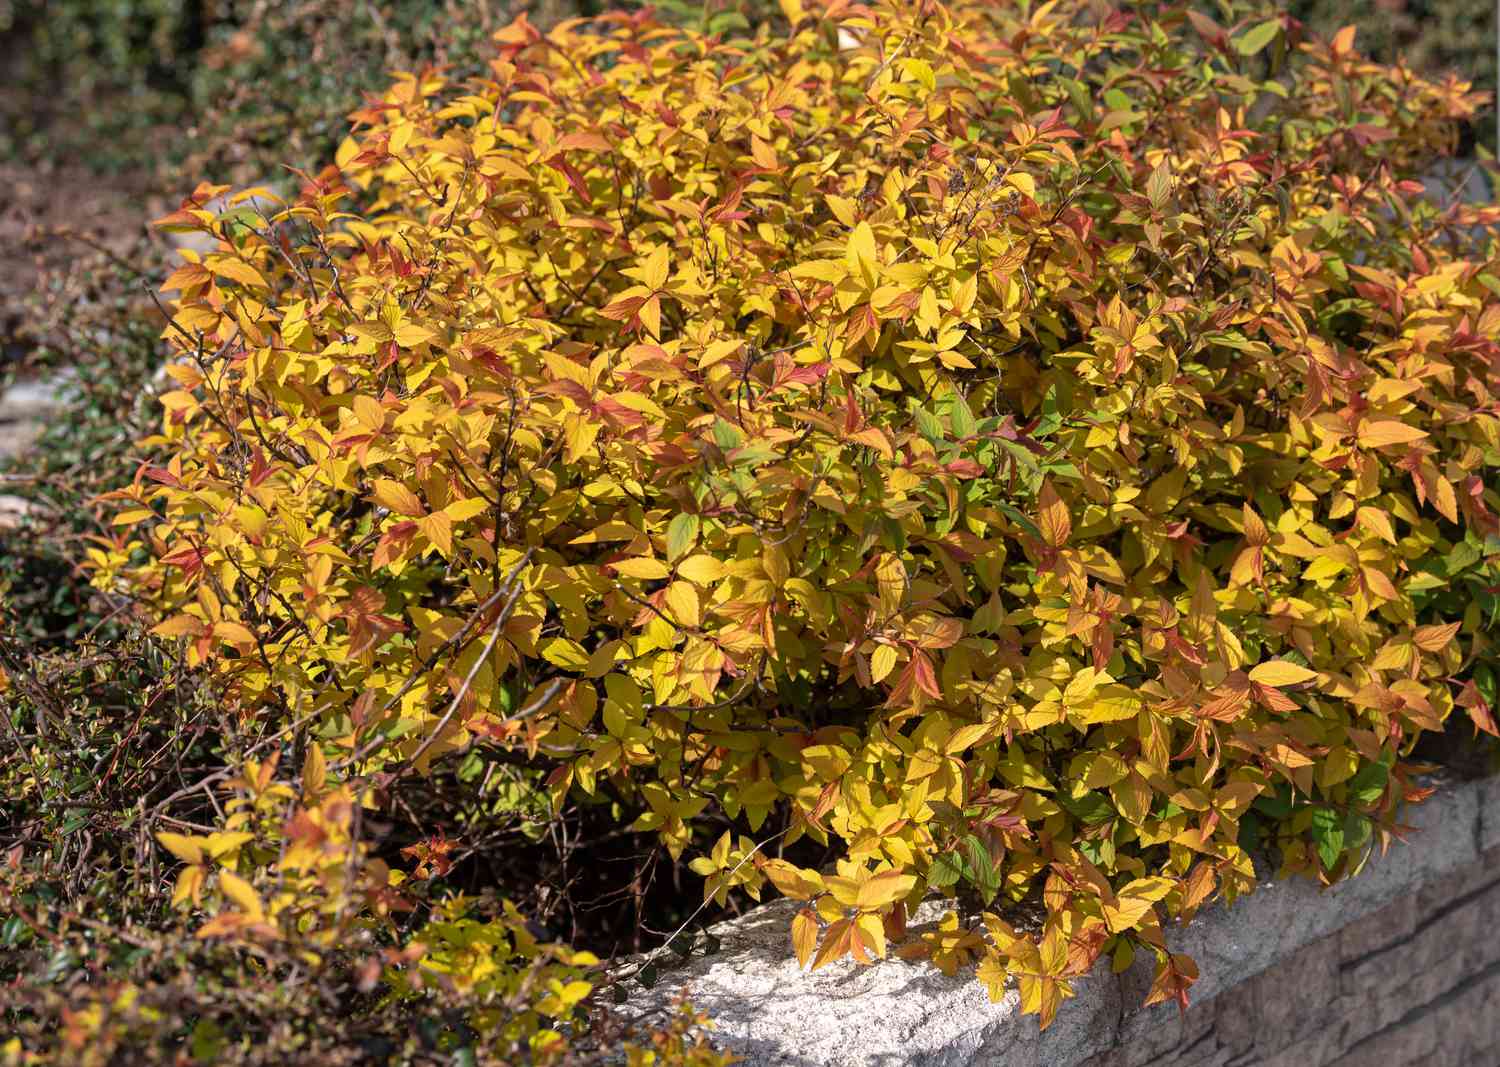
{"x": 1435, "y": 638}
{"x": 180, "y": 626}
{"x": 233, "y": 633}
{"x": 1052, "y": 516}
{"x": 804, "y": 935}
{"x": 838, "y": 941}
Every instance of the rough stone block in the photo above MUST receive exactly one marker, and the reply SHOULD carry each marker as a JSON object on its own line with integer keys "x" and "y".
{"x": 1292, "y": 998}
{"x": 1411, "y": 1043}
{"x": 1399, "y": 967}
{"x": 1377, "y": 931}
{"x": 1487, "y": 804}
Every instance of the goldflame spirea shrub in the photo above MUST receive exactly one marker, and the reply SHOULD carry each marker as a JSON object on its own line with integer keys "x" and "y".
{"x": 1032, "y": 449}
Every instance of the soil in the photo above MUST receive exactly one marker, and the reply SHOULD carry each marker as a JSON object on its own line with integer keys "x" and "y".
{"x": 50, "y": 217}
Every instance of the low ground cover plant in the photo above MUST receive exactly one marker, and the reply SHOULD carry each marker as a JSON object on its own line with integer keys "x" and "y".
{"x": 1036, "y": 454}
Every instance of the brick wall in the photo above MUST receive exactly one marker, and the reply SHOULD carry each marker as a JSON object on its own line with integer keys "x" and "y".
{"x": 1415, "y": 983}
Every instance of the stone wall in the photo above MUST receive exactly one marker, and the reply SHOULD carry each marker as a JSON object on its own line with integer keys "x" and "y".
{"x": 1398, "y": 967}
{"x": 1414, "y": 982}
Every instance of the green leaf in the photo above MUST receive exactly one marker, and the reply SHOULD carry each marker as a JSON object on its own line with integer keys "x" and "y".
{"x": 1014, "y": 514}
{"x": 647, "y": 975}
{"x": 927, "y": 423}
{"x": 1250, "y": 833}
{"x": 1277, "y": 805}
{"x": 1159, "y": 186}
{"x": 1357, "y": 831}
{"x": 1328, "y": 835}
{"x": 1463, "y": 556}
{"x": 979, "y": 869}
{"x": 727, "y": 435}
{"x": 1090, "y": 808}
{"x": 1051, "y": 418}
{"x": 1484, "y": 681}
{"x": 946, "y": 869}
{"x": 1368, "y": 783}
{"x": 1257, "y": 37}
{"x": 682, "y": 532}
{"x": 961, "y": 418}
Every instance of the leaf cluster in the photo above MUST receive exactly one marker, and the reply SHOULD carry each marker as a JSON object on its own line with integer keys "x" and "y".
{"x": 1011, "y": 446}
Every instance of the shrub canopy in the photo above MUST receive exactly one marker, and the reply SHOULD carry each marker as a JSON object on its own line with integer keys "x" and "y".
{"x": 1027, "y": 449}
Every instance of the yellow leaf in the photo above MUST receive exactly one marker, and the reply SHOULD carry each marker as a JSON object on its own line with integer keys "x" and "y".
{"x": 1134, "y": 901}
{"x": 1377, "y": 522}
{"x": 883, "y": 889}
{"x": 702, "y": 569}
{"x": 397, "y": 498}
{"x": 564, "y": 653}
{"x": 233, "y": 633}
{"x": 180, "y": 626}
{"x": 920, "y": 71}
{"x": 643, "y": 567}
{"x": 1280, "y": 672}
{"x": 682, "y": 604}
{"x": 862, "y": 256}
{"x": 793, "y": 881}
{"x": 1378, "y": 433}
{"x": 656, "y": 268}
{"x": 237, "y": 270}
{"x": 189, "y": 884}
{"x": 369, "y": 413}
{"x": 239, "y": 891}
{"x": 180, "y": 845}
{"x": 409, "y": 335}
{"x": 882, "y": 662}
{"x": 804, "y": 935}
{"x": 462, "y": 510}
{"x": 438, "y": 529}
{"x": 314, "y": 771}
{"x": 224, "y": 842}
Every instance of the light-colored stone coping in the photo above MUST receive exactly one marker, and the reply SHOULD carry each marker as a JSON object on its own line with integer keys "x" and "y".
{"x": 894, "y": 1013}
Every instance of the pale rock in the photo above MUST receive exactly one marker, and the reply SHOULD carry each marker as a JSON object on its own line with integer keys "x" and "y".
{"x": 768, "y": 1010}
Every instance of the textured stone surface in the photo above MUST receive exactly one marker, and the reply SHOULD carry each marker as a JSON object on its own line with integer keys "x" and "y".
{"x": 1399, "y": 967}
